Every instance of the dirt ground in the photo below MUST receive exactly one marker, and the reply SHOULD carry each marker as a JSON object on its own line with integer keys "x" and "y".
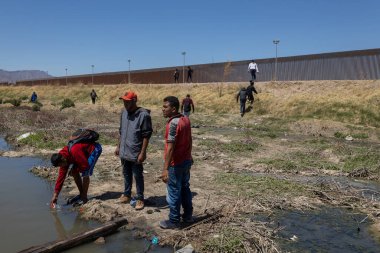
{"x": 243, "y": 166}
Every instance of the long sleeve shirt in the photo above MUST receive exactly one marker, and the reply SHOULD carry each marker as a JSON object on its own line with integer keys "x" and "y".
{"x": 77, "y": 159}
{"x": 253, "y": 65}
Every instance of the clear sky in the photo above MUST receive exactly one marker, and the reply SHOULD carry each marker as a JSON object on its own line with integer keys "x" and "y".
{"x": 52, "y": 35}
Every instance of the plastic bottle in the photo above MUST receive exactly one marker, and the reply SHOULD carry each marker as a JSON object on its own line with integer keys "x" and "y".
{"x": 155, "y": 240}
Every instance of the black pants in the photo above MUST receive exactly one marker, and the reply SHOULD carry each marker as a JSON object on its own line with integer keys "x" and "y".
{"x": 253, "y": 74}
{"x": 189, "y": 77}
{"x": 176, "y": 79}
{"x": 93, "y": 100}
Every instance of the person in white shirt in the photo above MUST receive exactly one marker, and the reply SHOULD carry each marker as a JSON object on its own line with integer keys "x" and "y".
{"x": 252, "y": 68}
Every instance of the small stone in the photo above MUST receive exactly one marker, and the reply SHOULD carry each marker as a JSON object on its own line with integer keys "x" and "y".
{"x": 100, "y": 241}
{"x": 349, "y": 138}
{"x": 150, "y": 211}
{"x": 187, "y": 249}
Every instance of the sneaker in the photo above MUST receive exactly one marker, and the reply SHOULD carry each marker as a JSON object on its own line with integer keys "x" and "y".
{"x": 167, "y": 224}
{"x": 139, "y": 205}
{"x": 72, "y": 200}
{"x": 124, "y": 199}
{"x": 188, "y": 219}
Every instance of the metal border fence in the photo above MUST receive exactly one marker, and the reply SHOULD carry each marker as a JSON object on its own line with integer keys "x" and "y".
{"x": 348, "y": 65}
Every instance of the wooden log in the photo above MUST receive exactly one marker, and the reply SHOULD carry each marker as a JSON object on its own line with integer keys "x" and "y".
{"x": 91, "y": 235}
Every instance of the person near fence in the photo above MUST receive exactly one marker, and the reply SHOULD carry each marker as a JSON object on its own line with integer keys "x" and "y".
{"x": 253, "y": 69}
{"x": 176, "y": 76}
{"x": 134, "y": 134}
{"x": 190, "y": 72}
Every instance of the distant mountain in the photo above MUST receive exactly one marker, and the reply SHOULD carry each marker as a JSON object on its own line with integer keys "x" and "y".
{"x": 19, "y": 75}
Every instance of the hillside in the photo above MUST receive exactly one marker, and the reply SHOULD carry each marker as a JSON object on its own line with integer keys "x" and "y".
{"x": 19, "y": 75}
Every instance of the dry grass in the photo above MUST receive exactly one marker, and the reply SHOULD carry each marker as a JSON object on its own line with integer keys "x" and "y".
{"x": 345, "y": 101}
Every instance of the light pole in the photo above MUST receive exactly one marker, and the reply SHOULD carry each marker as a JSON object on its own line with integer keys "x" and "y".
{"x": 92, "y": 73}
{"x": 275, "y": 63}
{"x": 129, "y": 71}
{"x": 183, "y": 68}
{"x": 66, "y": 75}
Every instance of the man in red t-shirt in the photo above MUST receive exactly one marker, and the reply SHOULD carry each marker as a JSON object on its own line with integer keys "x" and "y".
{"x": 80, "y": 159}
{"x": 178, "y": 161}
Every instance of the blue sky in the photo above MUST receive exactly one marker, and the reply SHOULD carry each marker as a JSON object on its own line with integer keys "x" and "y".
{"x": 53, "y": 35}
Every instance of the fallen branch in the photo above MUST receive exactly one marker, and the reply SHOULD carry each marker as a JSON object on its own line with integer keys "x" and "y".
{"x": 59, "y": 246}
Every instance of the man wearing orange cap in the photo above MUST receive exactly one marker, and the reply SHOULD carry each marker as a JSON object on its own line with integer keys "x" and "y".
{"x": 135, "y": 131}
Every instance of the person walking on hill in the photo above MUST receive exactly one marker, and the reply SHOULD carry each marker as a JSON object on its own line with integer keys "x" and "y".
{"x": 187, "y": 105}
{"x": 80, "y": 158}
{"x": 134, "y": 134}
{"x": 177, "y": 164}
{"x": 242, "y": 94}
{"x": 93, "y": 96}
{"x": 253, "y": 69}
{"x": 250, "y": 89}
{"x": 33, "y": 98}
{"x": 190, "y": 74}
{"x": 176, "y": 76}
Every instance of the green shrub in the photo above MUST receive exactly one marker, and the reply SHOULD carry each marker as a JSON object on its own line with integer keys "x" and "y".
{"x": 66, "y": 103}
{"x": 24, "y": 97}
{"x": 36, "y": 108}
{"x": 14, "y": 102}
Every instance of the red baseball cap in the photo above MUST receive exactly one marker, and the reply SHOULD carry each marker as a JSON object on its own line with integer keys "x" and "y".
{"x": 129, "y": 95}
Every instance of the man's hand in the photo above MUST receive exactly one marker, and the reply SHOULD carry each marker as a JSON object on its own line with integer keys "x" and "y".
{"x": 165, "y": 176}
{"x": 141, "y": 158}
{"x": 117, "y": 150}
{"x": 53, "y": 201}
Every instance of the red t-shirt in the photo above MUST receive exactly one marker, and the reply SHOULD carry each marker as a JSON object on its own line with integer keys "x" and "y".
{"x": 78, "y": 156}
{"x": 178, "y": 131}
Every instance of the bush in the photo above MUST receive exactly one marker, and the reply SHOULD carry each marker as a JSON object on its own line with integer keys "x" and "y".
{"x": 38, "y": 103}
{"x": 24, "y": 98}
{"x": 14, "y": 102}
{"x": 1, "y": 100}
{"x": 66, "y": 103}
{"x": 36, "y": 108}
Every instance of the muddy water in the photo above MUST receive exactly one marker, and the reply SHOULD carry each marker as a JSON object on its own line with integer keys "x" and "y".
{"x": 326, "y": 230}
{"x": 27, "y": 220}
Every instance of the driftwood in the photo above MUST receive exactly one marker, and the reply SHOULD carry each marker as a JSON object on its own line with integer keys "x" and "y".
{"x": 58, "y": 246}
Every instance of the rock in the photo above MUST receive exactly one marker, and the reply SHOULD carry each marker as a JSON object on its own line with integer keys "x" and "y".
{"x": 150, "y": 211}
{"x": 100, "y": 241}
{"x": 294, "y": 238}
{"x": 349, "y": 138}
{"x": 187, "y": 249}
{"x": 23, "y": 136}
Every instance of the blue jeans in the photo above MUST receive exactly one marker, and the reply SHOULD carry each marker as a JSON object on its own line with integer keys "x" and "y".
{"x": 137, "y": 170}
{"x": 179, "y": 192}
{"x": 92, "y": 159}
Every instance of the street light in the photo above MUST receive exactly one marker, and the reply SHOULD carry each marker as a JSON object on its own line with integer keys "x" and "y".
{"x": 92, "y": 73}
{"x": 183, "y": 69}
{"x": 129, "y": 71}
{"x": 275, "y": 64}
{"x": 66, "y": 75}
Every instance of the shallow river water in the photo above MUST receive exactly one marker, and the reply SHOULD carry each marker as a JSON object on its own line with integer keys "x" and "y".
{"x": 26, "y": 219}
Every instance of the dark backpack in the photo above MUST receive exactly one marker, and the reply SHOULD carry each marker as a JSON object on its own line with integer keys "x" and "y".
{"x": 82, "y": 135}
